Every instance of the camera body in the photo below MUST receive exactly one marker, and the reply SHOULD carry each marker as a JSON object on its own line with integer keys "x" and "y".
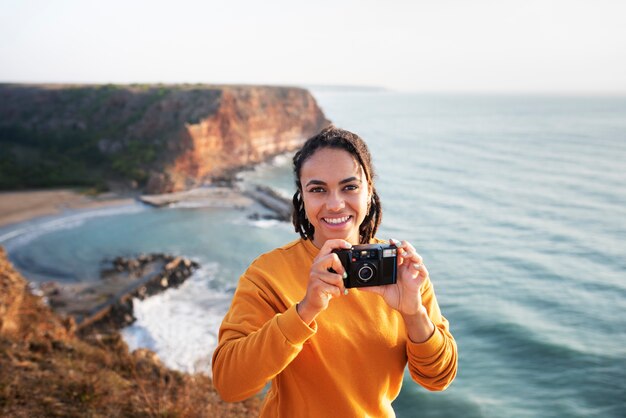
{"x": 369, "y": 264}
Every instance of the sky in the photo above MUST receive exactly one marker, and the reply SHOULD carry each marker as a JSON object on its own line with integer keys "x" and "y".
{"x": 500, "y": 46}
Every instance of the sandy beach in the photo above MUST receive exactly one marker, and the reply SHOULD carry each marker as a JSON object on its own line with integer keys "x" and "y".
{"x": 22, "y": 206}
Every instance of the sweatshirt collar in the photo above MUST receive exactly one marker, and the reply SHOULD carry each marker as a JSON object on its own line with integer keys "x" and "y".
{"x": 310, "y": 247}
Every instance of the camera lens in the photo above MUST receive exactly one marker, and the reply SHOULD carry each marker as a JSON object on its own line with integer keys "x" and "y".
{"x": 366, "y": 272}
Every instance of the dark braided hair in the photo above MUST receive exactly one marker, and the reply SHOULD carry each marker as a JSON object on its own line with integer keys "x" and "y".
{"x": 332, "y": 137}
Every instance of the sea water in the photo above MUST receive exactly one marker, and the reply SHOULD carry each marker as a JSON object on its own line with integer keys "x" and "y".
{"x": 516, "y": 203}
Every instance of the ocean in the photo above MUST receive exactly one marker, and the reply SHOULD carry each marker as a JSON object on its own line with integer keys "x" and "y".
{"x": 516, "y": 203}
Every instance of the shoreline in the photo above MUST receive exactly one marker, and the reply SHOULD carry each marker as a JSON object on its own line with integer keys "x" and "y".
{"x": 18, "y": 206}
{"x": 22, "y": 206}
{"x": 26, "y": 205}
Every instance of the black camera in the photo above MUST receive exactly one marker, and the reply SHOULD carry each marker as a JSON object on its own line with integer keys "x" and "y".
{"x": 369, "y": 264}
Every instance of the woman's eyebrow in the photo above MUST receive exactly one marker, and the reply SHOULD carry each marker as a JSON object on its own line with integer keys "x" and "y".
{"x": 320, "y": 182}
{"x": 350, "y": 180}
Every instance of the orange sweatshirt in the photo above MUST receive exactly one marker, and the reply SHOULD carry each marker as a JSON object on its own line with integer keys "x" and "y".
{"x": 348, "y": 363}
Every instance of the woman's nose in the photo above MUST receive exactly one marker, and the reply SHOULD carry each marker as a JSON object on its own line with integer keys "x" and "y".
{"x": 334, "y": 202}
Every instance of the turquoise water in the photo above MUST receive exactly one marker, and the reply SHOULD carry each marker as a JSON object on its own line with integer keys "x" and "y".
{"x": 516, "y": 203}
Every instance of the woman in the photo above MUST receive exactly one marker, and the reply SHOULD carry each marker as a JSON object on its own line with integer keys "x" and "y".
{"x": 328, "y": 351}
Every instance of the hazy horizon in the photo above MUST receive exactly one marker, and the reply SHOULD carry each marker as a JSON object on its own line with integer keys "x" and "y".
{"x": 502, "y": 47}
{"x": 345, "y": 87}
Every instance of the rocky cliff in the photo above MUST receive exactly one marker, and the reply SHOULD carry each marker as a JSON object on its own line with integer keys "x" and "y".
{"x": 161, "y": 138}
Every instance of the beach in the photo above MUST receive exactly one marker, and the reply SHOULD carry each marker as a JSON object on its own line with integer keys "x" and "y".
{"x": 21, "y": 206}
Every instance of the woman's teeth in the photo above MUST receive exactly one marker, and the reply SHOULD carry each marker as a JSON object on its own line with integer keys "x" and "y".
{"x": 336, "y": 221}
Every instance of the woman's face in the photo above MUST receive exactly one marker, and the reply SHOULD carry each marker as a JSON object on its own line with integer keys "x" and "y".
{"x": 336, "y": 193}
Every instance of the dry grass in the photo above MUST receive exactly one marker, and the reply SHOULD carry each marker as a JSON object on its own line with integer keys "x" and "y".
{"x": 48, "y": 371}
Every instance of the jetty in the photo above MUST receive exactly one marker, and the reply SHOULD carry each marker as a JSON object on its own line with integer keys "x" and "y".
{"x": 219, "y": 197}
{"x": 226, "y": 197}
{"x": 272, "y": 200}
{"x": 107, "y": 303}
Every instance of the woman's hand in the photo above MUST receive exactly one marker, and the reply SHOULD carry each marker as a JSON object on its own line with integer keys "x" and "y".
{"x": 405, "y": 295}
{"x": 323, "y": 285}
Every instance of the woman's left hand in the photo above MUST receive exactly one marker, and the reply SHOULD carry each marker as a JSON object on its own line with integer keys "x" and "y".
{"x": 405, "y": 295}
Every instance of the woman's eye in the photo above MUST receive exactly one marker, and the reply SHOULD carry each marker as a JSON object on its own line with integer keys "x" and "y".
{"x": 316, "y": 190}
{"x": 351, "y": 187}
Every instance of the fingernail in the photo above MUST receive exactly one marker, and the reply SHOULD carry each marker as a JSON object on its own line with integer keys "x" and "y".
{"x": 345, "y": 291}
{"x": 345, "y": 275}
{"x": 417, "y": 266}
{"x": 394, "y": 242}
{"x": 347, "y": 244}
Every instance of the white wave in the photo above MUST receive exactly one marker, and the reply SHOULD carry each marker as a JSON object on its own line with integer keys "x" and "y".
{"x": 23, "y": 233}
{"x": 282, "y": 159}
{"x": 28, "y": 233}
{"x": 258, "y": 170}
{"x": 264, "y": 223}
{"x": 276, "y": 161}
{"x": 181, "y": 325}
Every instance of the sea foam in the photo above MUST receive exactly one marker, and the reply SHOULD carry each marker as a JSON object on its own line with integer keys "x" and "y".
{"x": 181, "y": 324}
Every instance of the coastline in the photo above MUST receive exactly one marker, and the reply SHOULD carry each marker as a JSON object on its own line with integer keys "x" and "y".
{"x": 243, "y": 193}
{"x": 170, "y": 389}
{"x": 22, "y": 206}
{"x": 25, "y": 205}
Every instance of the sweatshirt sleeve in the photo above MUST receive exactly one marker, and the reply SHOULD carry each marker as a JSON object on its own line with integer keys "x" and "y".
{"x": 258, "y": 338}
{"x": 433, "y": 363}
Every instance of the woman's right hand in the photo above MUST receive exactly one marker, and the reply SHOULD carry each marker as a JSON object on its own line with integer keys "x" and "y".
{"x": 323, "y": 285}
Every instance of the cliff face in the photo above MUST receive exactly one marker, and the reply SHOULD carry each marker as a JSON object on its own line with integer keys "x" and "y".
{"x": 249, "y": 124}
{"x": 161, "y": 138}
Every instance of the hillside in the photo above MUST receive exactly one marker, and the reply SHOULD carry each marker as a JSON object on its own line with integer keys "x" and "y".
{"x": 157, "y": 138}
{"x": 47, "y": 370}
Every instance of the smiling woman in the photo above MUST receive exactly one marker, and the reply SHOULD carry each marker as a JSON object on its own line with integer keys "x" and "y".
{"x": 336, "y": 203}
{"x": 328, "y": 351}
{"x": 345, "y": 160}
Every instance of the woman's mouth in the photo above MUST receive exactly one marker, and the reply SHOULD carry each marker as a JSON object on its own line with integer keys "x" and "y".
{"x": 337, "y": 221}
